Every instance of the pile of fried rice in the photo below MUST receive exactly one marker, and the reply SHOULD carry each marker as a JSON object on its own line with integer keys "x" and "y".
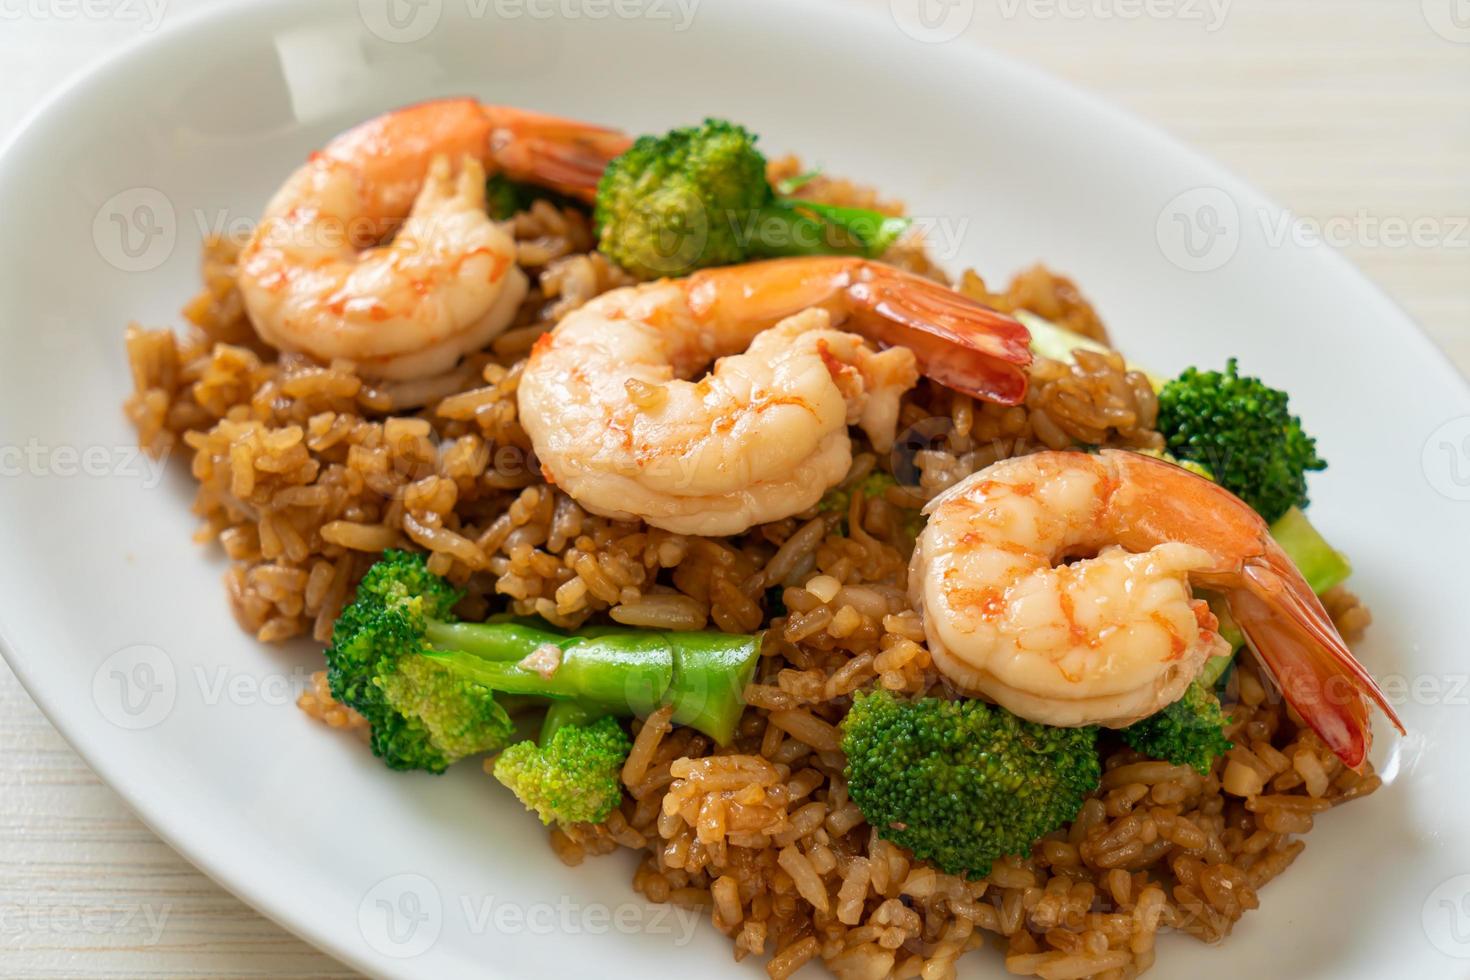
{"x": 306, "y": 473}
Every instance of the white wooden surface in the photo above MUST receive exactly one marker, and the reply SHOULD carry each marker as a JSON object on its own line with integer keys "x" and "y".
{"x": 1352, "y": 113}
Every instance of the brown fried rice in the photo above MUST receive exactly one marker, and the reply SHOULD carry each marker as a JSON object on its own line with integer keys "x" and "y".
{"x": 306, "y": 472}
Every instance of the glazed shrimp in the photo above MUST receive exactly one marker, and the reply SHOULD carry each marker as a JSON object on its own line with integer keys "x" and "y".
{"x": 614, "y": 420}
{"x": 1118, "y": 634}
{"x": 316, "y": 277}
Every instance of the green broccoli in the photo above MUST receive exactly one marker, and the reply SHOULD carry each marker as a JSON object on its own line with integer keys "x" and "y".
{"x": 1189, "y": 732}
{"x": 432, "y": 689}
{"x": 1322, "y": 565}
{"x": 698, "y": 197}
{"x": 421, "y": 715}
{"x": 961, "y": 783}
{"x": 1243, "y": 430}
{"x": 573, "y": 774}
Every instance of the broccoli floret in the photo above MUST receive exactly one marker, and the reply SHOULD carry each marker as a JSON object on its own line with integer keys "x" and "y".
{"x": 961, "y": 783}
{"x": 698, "y": 197}
{"x": 433, "y": 689}
{"x": 422, "y": 715}
{"x": 573, "y": 774}
{"x": 1189, "y": 732}
{"x": 1244, "y": 432}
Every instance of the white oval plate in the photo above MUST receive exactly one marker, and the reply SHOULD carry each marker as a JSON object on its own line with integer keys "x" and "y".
{"x": 117, "y": 624}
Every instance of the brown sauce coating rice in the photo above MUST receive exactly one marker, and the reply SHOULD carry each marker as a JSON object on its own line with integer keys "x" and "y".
{"x": 305, "y": 474}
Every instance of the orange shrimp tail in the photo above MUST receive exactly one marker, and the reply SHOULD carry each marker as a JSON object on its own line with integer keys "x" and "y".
{"x": 958, "y": 342}
{"x": 1288, "y": 628}
{"x": 562, "y": 154}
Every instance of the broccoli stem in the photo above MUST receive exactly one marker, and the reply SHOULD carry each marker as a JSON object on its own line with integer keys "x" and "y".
{"x": 787, "y": 227}
{"x": 610, "y": 670}
{"x": 1322, "y": 565}
{"x": 710, "y": 674}
{"x": 564, "y": 714}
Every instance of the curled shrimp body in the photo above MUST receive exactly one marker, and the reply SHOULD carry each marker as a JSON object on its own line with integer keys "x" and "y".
{"x": 379, "y": 249}
{"x": 1060, "y": 585}
{"x": 616, "y": 421}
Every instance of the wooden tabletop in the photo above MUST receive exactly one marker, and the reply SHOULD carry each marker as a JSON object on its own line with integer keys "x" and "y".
{"x": 1355, "y": 114}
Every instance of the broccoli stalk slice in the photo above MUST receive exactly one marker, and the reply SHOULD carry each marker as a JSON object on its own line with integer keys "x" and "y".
{"x": 792, "y": 226}
{"x": 1322, "y": 565}
{"x": 617, "y": 670}
{"x": 434, "y": 690}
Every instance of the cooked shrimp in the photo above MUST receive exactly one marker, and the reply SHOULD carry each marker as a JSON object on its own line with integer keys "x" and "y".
{"x": 1117, "y": 633}
{"x": 316, "y": 278}
{"x": 617, "y": 424}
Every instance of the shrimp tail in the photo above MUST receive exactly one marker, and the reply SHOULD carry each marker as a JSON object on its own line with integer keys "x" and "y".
{"x": 564, "y": 155}
{"x": 958, "y": 342}
{"x": 1290, "y": 631}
